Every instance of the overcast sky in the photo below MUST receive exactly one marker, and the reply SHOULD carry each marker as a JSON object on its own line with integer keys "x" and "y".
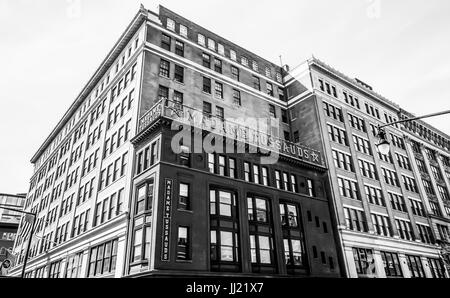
{"x": 50, "y": 48}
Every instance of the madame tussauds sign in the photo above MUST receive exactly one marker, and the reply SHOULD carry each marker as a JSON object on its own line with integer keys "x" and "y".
{"x": 259, "y": 133}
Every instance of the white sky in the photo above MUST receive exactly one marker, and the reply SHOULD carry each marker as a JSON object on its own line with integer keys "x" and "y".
{"x": 50, "y": 48}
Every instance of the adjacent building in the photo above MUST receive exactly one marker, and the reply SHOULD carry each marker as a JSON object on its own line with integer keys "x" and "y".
{"x": 391, "y": 210}
{"x": 124, "y": 186}
{"x": 9, "y": 222}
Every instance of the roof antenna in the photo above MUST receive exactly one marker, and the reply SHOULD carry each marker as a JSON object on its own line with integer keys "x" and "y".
{"x": 281, "y": 61}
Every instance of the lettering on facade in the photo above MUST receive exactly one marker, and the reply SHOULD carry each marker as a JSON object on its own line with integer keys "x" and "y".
{"x": 167, "y": 216}
{"x": 150, "y": 117}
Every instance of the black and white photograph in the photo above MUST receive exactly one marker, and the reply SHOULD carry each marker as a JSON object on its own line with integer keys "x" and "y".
{"x": 219, "y": 147}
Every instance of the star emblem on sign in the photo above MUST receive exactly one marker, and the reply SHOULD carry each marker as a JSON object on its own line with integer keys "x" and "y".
{"x": 315, "y": 156}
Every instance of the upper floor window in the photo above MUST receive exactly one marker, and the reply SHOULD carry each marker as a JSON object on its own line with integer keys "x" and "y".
{"x": 170, "y": 24}
{"x": 201, "y": 40}
{"x": 233, "y": 55}
{"x": 183, "y": 31}
{"x": 166, "y": 42}
{"x": 211, "y": 44}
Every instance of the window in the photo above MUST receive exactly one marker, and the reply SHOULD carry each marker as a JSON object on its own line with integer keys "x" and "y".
{"x": 403, "y": 162}
{"x": 415, "y": 267}
{"x": 417, "y": 207}
{"x": 437, "y": 268}
{"x": 310, "y": 188}
{"x": 163, "y": 93}
{"x": 261, "y": 238}
{"x": 405, "y": 230}
{"x": 232, "y": 168}
{"x": 397, "y": 202}
{"x": 278, "y": 179}
{"x": 247, "y": 172}
{"x": 435, "y": 208}
{"x": 390, "y": 177}
{"x": 357, "y": 123}
{"x": 255, "y": 66}
{"x": 170, "y": 24}
{"x": 217, "y": 65}
{"x": 207, "y": 85}
{"x": 222, "y": 165}
{"x": 391, "y": 264}
{"x": 426, "y": 184}
{"x": 272, "y": 111}
{"x": 244, "y": 61}
{"x": 211, "y": 44}
{"x": 268, "y": 72}
{"x": 343, "y": 161}
{"x": 333, "y": 112}
{"x": 144, "y": 201}
{"x": 374, "y": 196}
{"x": 425, "y": 234}
{"x": 368, "y": 169}
{"x": 362, "y": 145}
{"x": 364, "y": 261}
{"x": 183, "y": 31}
{"x": 256, "y": 83}
{"x": 221, "y": 49}
{"x": 224, "y": 232}
{"x": 179, "y": 74}
{"x": 355, "y": 220}
{"x": 256, "y": 174}
{"x": 184, "y": 196}
{"x": 382, "y": 225}
{"x": 201, "y": 39}
{"x": 220, "y": 113}
{"x": 436, "y": 173}
{"x": 443, "y": 193}
{"x": 337, "y": 135}
{"x": 218, "y": 90}
{"x": 233, "y": 55}
{"x": 102, "y": 259}
{"x": 166, "y": 42}
{"x": 293, "y": 238}
{"x": 183, "y": 244}
{"x": 265, "y": 176}
{"x": 237, "y": 97}
{"x": 212, "y": 163}
{"x": 164, "y": 69}
{"x": 269, "y": 89}
{"x": 206, "y": 60}
{"x": 348, "y": 189}
{"x": 235, "y": 73}
{"x": 207, "y": 109}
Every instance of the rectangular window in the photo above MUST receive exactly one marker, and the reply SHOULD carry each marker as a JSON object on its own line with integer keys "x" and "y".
{"x": 415, "y": 267}
{"x": 166, "y": 42}
{"x": 355, "y": 220}
{"x": 207, "y": 85}
{"x": 217, "y": 65}
{"x": 270, "y": 89}
{"x": 211, "y": 163}
{"x": 183, "y": 31}
{"x": 163, "y": 93}
{"x": 179, "y": 48}
{"x": 382, "y": 225}
{"x": 164, "y": 69}
{"x": 206, "y": 60}
{"x": 391, "y": 264}
{"x": 247, "y": 173}
{"x": 207, "y": 109}
{"x": 183, "y": 244}
{"x": 235, "y": 73}
{"x": 184, "y": 201}
{"x": 218, "y": 90}
{"x": 232, "y": 168}
{"x": 237, "y": 97}
{"x": 220, "y": 113}
{"x": 256, "y": 83}
{"x": 222, "y": 165}
{"x": 179, "y": 74}
{"x": 201, "y": 39}
{"x": 272, "y": 111}
{"x": 364, "y": 261}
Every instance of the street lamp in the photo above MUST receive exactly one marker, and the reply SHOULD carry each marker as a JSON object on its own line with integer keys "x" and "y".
{"x": 383, "y": 143}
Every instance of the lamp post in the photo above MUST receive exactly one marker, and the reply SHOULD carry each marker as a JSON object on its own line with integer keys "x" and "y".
{"x": 31, "y": 235}
{"x": 384, "y": 145}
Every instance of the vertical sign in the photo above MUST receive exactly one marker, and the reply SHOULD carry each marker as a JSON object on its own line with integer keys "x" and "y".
{"x": 167, "y": 215}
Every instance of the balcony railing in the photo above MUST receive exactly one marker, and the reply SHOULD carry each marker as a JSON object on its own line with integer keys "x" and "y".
{"x": 240, "y": 132}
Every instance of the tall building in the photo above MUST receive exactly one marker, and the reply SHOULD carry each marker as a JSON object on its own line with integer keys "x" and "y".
{"x": 114, "y": 199}
{"x": 9, "y": 223}
{"x": 392, "y": 211}
{"x": 126, "y": 184}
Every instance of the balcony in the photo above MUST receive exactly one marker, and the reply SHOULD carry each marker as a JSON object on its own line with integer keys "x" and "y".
{"x": 261, "y": 137}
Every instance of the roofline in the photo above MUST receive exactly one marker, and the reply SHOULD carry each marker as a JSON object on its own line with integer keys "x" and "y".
{"x": 422, "y": 122}
{"x": 139, "y": 18}
{"x": 225, "y": 39}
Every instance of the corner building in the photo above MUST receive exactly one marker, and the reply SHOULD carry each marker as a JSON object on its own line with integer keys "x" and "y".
{"x": 392, "y": 211}
{"x": 114, "y": 200}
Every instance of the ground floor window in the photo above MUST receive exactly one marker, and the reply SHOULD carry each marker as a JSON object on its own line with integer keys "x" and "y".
{"x": 364, "y": 261}
{"x": 415, "y": 267}
{"x": 391, "y": 264}
{"x": 103, "y": 258}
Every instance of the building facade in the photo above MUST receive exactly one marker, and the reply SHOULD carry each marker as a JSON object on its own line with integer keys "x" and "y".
{"x": 119, "y": 193}
{"x": 391, "y": 211}
{"x": 9, "y": 223}
{"x": 114, "y": 200}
